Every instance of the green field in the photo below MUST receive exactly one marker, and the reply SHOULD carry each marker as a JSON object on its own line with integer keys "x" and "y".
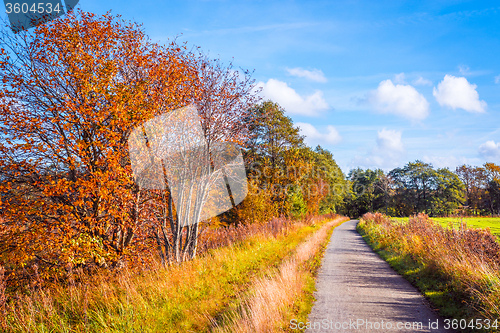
{"x": 472, "y": 222}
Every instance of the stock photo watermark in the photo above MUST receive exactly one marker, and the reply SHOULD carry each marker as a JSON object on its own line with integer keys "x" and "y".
{"x": 27, "y": 14}
{"x": 171, "y": 151}
{"x": 384, "y": 325}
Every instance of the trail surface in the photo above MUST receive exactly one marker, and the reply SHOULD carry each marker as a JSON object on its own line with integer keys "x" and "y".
{"x": 357, "y": 291}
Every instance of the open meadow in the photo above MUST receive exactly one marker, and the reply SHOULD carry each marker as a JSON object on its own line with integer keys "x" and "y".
{"x": 493, "y": 223}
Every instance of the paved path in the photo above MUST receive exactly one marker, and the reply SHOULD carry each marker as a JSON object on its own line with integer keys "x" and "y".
{"x": 355, "y": 286}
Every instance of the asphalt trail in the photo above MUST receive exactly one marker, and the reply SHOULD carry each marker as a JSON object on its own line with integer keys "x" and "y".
{"x": 355, "y": 287}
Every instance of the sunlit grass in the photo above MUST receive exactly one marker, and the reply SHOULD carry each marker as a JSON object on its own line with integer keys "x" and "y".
{"x": 284, "y": 294}
{"x": 493, "y": 223}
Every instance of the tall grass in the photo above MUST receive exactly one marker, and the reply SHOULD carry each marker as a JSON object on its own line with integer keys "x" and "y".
{"x": 219, "y": 237}
{"x": 179, "y": 298}
{"x": 264, "y": 309}
{"x": 463, "y": 265}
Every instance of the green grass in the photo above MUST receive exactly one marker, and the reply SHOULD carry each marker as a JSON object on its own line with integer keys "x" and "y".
{"x": 177, "y": 299}
{"x": 472, "y": 222}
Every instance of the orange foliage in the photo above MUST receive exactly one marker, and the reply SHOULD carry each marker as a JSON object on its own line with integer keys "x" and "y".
{"x": 70, "y": 95}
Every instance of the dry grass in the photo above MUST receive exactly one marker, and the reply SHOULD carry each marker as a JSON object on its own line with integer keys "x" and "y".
{"x": 179, "y": 298}
{"x": 3, "y": 298}
{"x": 219, "y": 237}
{"x": 467, "y": 260}
{"x": 270, "y": 296}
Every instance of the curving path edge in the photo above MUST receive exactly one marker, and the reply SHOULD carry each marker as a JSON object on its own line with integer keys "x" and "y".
{"x": 357, "y": 291}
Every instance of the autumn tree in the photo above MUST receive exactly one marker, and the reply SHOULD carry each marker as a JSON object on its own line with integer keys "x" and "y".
{"x": 448, "y": 194}
{"x": 293, "y": 178}
{"x": 271, "y": 153}
{"x": 71, "y": 93}
{"x": 272, "y": 135}
{"x": 223, "y": 100}
{"x": 330, "y": 172}
{"x": 493, "y": 187}
{"x": 384, "y": 190}
{"x": 309, "y": 177}
{"x": 475, "y": 180}
{"x": 465, "y": 174}
{"x": 275, "y": 157}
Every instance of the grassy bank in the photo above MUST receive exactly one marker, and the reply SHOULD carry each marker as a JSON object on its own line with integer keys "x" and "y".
{"x": 457, "y": 270}
{"x": 282, "y": 294}
{"x": 302, "y": 306}
{"x": 179, "y": 298}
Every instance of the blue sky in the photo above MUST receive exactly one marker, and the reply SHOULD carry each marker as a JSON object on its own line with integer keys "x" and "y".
{"x": 378, "y": 83}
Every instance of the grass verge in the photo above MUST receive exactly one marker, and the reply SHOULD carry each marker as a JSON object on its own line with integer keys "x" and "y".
{"x": 282, "y": 294}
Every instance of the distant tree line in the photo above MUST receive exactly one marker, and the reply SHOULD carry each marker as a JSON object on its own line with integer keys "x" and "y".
{"x": 419, "y": 187}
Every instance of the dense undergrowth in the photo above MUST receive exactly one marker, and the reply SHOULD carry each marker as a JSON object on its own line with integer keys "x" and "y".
{"x": 458, "y": 270}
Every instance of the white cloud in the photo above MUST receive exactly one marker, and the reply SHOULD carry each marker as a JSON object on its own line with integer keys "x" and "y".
{"x": 387, "y": 154}
{"x": 401, "y": 100}
{"x": 497, "y": 79}
{"x": 314, "y": 75}
{"x": 389, "y": 142}
{"x": 314, "y": 137}
{"x": 422, "y": 82}
{"x": 457, "y": 92}
{"x": 288, "y": 98}
{"x": 490, "y": 149}
{"x": 399, "y": 78}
